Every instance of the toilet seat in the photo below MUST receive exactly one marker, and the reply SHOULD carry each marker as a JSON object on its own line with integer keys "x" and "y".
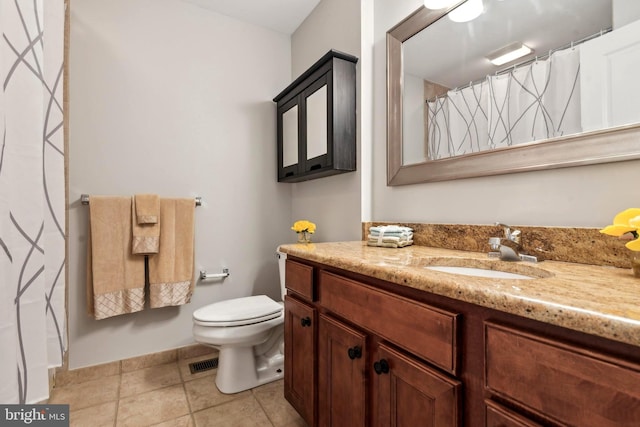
{"x": 238, "y": 311}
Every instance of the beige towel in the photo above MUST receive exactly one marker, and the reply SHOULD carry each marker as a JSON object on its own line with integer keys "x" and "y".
{"x": 147, "y": 207}
{"x": 146, "y": 224}
{"x": 171, "y": 280}
{"x": 115, "y": 277}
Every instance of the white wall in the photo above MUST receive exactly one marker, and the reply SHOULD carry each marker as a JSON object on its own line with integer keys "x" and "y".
{"x": 625, "y": 12}
{"x": 332, "y": 203}
{"x": 586, "y": 196}
{"x": 170, "y": 98}
{"x": 413, "y": 106}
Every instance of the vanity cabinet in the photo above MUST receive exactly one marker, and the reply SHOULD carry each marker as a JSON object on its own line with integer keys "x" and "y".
{"x": 568, "y": 384}
{"x": 300, "y": 330}
{"x": 299, "y": 357}
{"x": 499, "y": 416}
{"x": 382, "y": 354}
{"x": 316, "y": 120}
{"x": 371, "y": 370}
{"x": 342, "y": 365}
{"x": 411, "y": 393}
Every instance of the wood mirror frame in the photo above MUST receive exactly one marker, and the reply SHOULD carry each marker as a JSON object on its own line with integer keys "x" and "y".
{"x": 602, "y": 146}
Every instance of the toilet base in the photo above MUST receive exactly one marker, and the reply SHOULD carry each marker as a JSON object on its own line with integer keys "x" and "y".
{"x": 240, "y": 369}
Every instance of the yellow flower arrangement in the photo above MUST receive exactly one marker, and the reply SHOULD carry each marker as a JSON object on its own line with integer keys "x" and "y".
{"x": 626, "y": 222}
{"x": 303, "y": 226}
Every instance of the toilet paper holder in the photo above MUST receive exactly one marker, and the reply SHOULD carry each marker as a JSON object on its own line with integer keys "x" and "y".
{"x": 204, "y": 275}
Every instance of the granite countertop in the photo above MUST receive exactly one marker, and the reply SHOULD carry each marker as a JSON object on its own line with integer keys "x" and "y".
{"x": 602, "y": 301}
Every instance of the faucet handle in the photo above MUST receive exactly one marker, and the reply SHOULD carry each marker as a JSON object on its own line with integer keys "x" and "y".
{"x": 514, "y": 235}
{"x": 506, "y": 228}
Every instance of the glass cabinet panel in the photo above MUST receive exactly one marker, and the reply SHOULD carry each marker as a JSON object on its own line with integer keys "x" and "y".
{"x": 290, "y": 137}
{"x": 317, "y": 117}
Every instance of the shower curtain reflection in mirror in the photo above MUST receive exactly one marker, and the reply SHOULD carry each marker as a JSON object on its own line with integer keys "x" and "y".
{"x": 532, "y": 102}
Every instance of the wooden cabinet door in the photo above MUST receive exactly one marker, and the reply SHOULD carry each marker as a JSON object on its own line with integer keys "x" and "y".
{"x": 408, "y": 393}
{"x": 341, "y": 375}
{"x": 565, "y": 383}
{"x": 499, "y": 416}
{"x": 299, "y": 357}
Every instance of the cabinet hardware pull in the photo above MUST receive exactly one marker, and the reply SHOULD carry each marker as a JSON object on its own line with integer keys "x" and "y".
{"x": 305, "y": 321}
{"x": 381, "y": 367}
{"x": 314, "y": 167}
{"x": 354, "y": 352}
{"x": 288, "y": 174}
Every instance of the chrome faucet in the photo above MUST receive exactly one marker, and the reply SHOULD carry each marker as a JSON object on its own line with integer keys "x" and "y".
{"x": 509, "y": 248}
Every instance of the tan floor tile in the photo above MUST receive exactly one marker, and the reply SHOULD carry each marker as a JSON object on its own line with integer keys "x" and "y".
{"x": 243, "y": 412}
{"x": 148, "y": 379}
{"x": 103, "y": 415}
{"x": 149, "y": 360}
{"x": 186, "y": 373}
{"x": 202, "y": 393}
{"x": 186, "y": 421}
{"x": 76, "y": 376}
{"x": 280, "y": 412}
{"x": 153, "y": 407}
{"x": 88, "y": 393}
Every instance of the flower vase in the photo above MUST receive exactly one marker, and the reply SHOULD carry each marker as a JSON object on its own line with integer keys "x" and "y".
{"x": 635, "y": 263}
{"x": 304, "y": 237}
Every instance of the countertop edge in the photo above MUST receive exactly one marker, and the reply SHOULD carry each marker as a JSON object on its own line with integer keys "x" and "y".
{"x": 553, "y": 300}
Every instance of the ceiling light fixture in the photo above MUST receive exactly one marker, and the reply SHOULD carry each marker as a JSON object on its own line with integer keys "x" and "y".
{"x": 508, "y": 53}
{"x": 439, "y": 4}
{"x": 466, "y": 11}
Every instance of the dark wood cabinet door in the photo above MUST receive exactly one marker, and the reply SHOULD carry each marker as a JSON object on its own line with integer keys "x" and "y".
{"x": 499, "y": 416}
{"x": 565, "y": 383}
{"x": 300, "y": 325}
{"x": 409, "y": 393}
{"x": 341, "y": 375}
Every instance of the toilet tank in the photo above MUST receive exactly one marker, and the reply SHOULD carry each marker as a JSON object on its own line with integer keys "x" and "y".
{"x": 282, "y": 258}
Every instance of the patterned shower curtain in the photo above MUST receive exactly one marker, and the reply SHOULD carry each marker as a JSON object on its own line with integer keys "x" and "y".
{"x": 537, "y": 101}
{"x": 32, "y": 198}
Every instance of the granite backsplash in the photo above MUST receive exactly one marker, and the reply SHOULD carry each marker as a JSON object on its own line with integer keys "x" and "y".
{"x": 579, "y": 245}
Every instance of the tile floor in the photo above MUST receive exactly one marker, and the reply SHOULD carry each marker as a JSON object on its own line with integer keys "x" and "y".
{"x": 167, "y": 394}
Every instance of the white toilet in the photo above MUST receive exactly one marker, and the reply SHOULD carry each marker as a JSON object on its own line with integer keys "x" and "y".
{"x": 249, "y": 333}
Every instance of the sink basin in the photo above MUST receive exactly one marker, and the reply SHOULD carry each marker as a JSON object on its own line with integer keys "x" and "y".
{"x": 487, "y": 268}
{"x": 478, "y": 272}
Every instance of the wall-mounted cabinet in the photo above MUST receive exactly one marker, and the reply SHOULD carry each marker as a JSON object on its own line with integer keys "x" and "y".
{"x": 316, "y": 120}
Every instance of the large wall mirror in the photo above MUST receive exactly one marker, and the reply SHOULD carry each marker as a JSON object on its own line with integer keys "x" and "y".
{"x": 565, "y": 94}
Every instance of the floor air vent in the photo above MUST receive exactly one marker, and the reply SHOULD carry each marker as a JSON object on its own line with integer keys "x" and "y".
{"x": 203, "y": 365}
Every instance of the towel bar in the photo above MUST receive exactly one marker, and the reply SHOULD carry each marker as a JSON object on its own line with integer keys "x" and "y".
{"x": 204, "y": 275}
{"x": 84, "y": 199}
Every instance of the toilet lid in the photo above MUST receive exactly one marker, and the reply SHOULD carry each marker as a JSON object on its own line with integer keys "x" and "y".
{"x": 238, "y": 311}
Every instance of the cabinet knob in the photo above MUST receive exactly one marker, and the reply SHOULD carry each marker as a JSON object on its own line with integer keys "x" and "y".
{"x": 381, "y": 367}
{"x": 305, "y": 321}
{"x": 354, "y": 352}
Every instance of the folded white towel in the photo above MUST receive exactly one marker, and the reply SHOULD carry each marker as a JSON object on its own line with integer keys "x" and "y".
{"x": 390, "y": 244}
{"x": 387, "y": 239}
{"x": 408, "y": 235}
{"x": 390, "y": 229}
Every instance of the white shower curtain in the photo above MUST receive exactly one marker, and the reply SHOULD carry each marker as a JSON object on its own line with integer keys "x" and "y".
{"x": 438, "y": 129}
{"x": 537, "y": 101}
{"x": 468, "y": 119}
{"x": 32, "y": 198}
